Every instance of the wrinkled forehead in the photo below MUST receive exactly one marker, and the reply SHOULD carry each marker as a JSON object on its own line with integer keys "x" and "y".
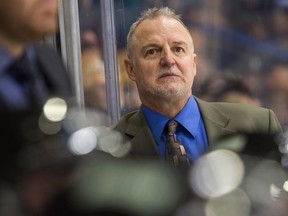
{"x": 161, "y": 27}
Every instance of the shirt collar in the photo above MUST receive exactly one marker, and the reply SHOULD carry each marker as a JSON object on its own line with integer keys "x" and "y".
{"x": 7, "y": 59}
{"x": 189, "y": 118}
{"x": 156, "y": 122}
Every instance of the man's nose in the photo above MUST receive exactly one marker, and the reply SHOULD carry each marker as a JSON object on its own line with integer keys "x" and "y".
{"x": 167, "y": 58}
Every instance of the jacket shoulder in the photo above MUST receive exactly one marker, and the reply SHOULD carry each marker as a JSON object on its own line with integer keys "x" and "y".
{"x": 248, "y": 117}
{"x": 46, "y": 50}
{"x": 125, "y": 120}
{"x": 238, "y": 108}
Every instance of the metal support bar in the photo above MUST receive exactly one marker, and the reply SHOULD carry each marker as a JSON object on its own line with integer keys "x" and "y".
{"x": 70, "y": 45}
{"x": 110, "y": 60}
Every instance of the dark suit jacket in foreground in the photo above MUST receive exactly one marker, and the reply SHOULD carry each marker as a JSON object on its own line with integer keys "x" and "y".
{"x": 54, "y": 72}
{"x": 220, "y": 119}
{"x": 21, "y": 126}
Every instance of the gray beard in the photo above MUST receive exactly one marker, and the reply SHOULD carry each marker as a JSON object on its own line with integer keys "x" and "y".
{"x": 168, "y": 92}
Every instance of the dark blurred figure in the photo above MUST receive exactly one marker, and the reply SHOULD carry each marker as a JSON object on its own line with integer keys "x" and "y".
{"x": 30, "y": 74}
{"x": 35, "y": 162}
{"x": 38, "y": 173}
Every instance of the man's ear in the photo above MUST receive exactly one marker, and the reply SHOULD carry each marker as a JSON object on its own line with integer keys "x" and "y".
{"x": 194, "y": 63}
{"x": 130, "y": 69}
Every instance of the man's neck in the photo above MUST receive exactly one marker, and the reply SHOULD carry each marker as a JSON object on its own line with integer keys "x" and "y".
{"x": 168, "y": 108}
{"x": 15, "y": 48}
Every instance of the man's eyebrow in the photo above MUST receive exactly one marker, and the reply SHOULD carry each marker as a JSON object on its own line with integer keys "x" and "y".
{"x": 155, "y": 45}
{"x": 145, "y": 47}
{"x": 180, "y": 43}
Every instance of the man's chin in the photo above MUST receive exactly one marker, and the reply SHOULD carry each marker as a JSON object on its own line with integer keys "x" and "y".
{"x": 43, "y": 31}
{"x": 170, "y": 92}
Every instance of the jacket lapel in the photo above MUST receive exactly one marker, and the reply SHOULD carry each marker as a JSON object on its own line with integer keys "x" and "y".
{"x": 142, "y": 142}
{"x": 215, "y": 121}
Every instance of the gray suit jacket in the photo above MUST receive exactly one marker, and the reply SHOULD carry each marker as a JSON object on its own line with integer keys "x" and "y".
{"x": 220, "y": 119}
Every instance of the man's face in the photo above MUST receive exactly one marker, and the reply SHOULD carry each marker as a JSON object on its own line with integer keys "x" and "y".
{"x": 28, "y": 20}
{"x": 163, "y": 63}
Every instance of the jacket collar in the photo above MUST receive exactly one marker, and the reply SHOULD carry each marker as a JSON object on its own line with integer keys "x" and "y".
{"x": 215, "y": 121}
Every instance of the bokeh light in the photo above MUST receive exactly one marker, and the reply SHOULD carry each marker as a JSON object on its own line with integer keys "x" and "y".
{"x": 55, "y": 109}
{"x": 217, "y": 173}
{"x": 47, "y": 126}
{"x": 285, "y": 186}
{"x": 82, "y": 141}
{"x": 111, "y": 141}
{"x": 235, "y": 203}
{"x": 139, "y": 188}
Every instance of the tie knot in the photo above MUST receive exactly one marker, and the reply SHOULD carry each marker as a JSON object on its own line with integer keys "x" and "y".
{"x": 22, "y": 69}
{"x": 172, "y": 125}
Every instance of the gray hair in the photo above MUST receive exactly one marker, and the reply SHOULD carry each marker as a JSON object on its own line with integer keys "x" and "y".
{"x": 150, "y": 13}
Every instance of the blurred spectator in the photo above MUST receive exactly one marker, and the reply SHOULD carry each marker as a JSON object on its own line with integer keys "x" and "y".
{"x": 227, "y": 88}
{"x": 90, "y": 41}
{"x": 131, "y": 97}
{"x": 132, "y": 100}
{"x": 90, "y": 16}
{"x": 279, "y": 26}
{"x": 276, "y": 95}
{"x": 94, "y": 82}
{"x": 205, "y": 65}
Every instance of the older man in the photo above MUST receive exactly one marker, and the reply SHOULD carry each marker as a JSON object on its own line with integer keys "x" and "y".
{"x": 171, "y": 123}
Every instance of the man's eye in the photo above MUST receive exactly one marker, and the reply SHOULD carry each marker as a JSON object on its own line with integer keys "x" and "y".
{"x": 179, "y": 49}
{"x": 150, "y": 52}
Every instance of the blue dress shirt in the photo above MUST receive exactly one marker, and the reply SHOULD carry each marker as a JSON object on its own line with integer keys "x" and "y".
{"x": 190, "y": 132}
{"x": 10, "y": 90}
